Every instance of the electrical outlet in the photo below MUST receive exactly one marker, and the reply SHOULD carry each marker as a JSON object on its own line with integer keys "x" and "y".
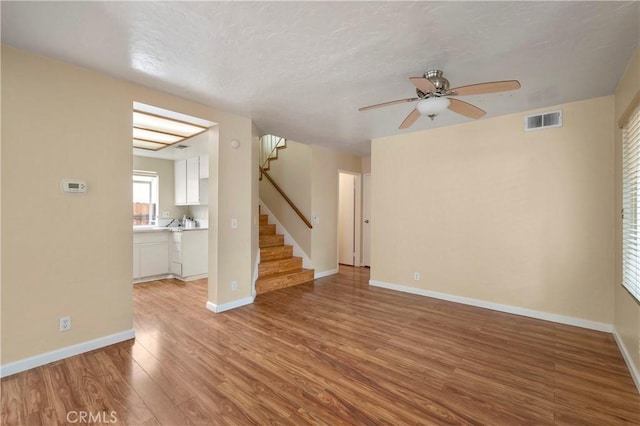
{"x": 416, "y": 276}
{"x": 234, "y": 285}
{"x": 65, "y": 323}
{"x": 166, "y": 215}
{"x": 234, "y": 223}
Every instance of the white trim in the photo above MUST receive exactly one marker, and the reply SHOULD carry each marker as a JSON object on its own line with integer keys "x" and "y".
{"x": 325, "y": 273}
{"x": 190, "y": 277}
{"x": 288, "y": 239}
{"x": 229, "y": 305}
{"x": 562, "y": 319}
{"x": 69, "y": 351}
{"x": 169, "y": 277}
{"x": 153, "y": 278}
{"x": 256, "y": 267}
{"x": 357, "y": 214}
{"x": 635, "y": 374}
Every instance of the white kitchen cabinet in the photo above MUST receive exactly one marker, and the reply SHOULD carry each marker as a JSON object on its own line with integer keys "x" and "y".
{"x": 204, "y": 166}
{"x": 193, "y": 180}
{"x": 150, "y": 255}
{"x": 136, "y": 262}
{"x": 180, "y": 180}
{"x": 190, "y": 189}
{"x": 154, "y": 259}
{"x": 189, "y": 256}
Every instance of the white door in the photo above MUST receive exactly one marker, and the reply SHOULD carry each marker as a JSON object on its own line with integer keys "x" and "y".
{"x": 346, "y": 219}
{"x": 366, "y": 220}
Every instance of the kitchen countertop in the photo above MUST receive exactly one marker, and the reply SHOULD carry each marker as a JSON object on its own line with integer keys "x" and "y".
{"x": 143, "y": 229}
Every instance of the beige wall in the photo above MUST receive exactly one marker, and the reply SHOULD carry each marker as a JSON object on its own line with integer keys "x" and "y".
{"x": 485, "y": 210}
{"x": 75, "y": 256}
{"x": 63, "y": 254}
{"x": 627, "y": 309}
{"x": 166, "y": 187}
{"x": 365, "y": 164}
{"x": 325, "y": 166}
{"x": 292, "y": 172}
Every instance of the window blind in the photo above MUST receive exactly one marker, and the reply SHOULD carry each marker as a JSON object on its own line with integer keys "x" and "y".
{"x": 631, "y": 204}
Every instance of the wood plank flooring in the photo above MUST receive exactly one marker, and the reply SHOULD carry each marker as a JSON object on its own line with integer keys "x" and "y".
{"x": 333, "y": 352}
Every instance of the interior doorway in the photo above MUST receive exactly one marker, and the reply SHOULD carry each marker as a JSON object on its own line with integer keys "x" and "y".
{"x": 349, "y": 218}
{"x": 366, "y": 219}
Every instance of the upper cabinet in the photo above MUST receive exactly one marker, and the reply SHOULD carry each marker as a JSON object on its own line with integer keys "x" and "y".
{"x": 191, "y": 188}
{"x": 180, "y": 178}
{"x": 204, "y": 166}
{"x": 193, "y": 181}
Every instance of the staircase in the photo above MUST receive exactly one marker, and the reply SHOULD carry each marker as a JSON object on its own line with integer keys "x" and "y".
{"x": 278, "y": 268}
{"x": 270, "y": 145}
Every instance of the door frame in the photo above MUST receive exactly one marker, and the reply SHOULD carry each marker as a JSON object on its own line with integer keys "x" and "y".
{"x": 363, "y": 218}
{"x": 357, "y": 229}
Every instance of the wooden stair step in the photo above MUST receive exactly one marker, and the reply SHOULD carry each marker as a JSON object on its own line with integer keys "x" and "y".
{"x": 275, "y": 253}
{"x": 264, "y": 219}
{"x": 283, "y": 280}
{"x": 271, "y": 240}
{"x": 267, "y": 229}
{"x": 279, "y": 266}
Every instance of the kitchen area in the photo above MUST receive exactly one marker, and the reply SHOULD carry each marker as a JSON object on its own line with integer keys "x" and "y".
{"x": 170, "y": 210}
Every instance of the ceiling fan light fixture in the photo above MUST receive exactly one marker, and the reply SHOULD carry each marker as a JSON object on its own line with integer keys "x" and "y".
{"x": 433, "y": 106}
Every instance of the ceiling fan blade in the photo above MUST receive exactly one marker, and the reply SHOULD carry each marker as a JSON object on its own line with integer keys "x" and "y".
{"x": 490, "y": 87}
{"x": 410, "y": 119}
{"x": 423, "y": 84}
{"x": 465, "y": 109}
{"x": 384, "y": 104}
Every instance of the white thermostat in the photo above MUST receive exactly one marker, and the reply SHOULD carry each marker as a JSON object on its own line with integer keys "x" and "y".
{"x": 73, "y": 185}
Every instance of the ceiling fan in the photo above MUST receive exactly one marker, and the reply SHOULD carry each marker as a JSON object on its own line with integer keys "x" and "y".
{"x": 435, "y": 95}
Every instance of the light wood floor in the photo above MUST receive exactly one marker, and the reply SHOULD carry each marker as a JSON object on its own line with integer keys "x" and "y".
{"x": 336, "y": 352}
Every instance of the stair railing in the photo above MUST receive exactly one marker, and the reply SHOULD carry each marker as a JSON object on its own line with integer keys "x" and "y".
{"x": 286, "y": 198}
{"x": 269, "y": 145}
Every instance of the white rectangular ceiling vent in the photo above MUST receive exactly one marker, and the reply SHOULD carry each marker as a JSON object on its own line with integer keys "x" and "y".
{"x": 543, "y": 121}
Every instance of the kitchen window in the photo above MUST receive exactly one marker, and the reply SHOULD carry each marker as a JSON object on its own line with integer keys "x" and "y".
{"x": 145, "y": 198}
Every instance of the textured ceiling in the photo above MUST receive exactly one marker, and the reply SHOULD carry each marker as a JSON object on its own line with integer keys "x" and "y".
{"x": 302, "y": 69}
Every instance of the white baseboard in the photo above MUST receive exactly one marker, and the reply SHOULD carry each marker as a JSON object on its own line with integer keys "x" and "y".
{"x": 562, "y": 319}
{"x": 229, "y": 305}
{"x": 190, "y": 278}
{"x": 317, "y": 275}
{"x": 256, "y": 267}
{"x": 635, "y": 374}
{"x": 69, "y": 351}
{"x": 154, "y": 278}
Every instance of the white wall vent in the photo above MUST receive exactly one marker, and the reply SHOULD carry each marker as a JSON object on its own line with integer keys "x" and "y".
{"x": 543, "y": 121}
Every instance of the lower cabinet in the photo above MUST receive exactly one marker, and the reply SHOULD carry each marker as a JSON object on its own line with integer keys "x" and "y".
{"x": 181, "y": 254}
{"x": 150, "y": 254}
{"x": 189, "y": 254}
{"x": 154, "y": 259}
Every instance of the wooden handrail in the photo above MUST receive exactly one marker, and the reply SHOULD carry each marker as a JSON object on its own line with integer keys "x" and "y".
{"x": 287, "y": 199}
